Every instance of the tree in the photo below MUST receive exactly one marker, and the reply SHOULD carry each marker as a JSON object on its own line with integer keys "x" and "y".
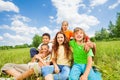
{"x": 111, "y": 30}
{"x": 104, "y": 33}
{"x": 98, "y": 35}
{"x": 36, "y": 40}
{"x": 118, "y": 25}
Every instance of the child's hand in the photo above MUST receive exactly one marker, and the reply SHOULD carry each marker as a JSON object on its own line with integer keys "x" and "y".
{"x": 36, "y": 56}
{"x": 57, "y": 70}
{"x": 83, "y": 77}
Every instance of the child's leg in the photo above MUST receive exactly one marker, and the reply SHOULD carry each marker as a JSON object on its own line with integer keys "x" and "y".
{"x": 47, "y": 72}
{"x": 63, "y": 74}
{"x": 49, "y": 77}
{"x": 25, "y": 74}
{"x": 13, "y": 72}
{"x": 94, "y": 75}
{"x": 75, "y": 72}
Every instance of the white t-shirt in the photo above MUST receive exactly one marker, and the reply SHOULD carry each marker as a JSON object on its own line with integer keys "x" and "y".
{"x": 49, "y": 44}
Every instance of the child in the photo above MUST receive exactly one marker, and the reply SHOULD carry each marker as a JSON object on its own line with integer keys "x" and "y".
{"x": 64, "y": 29}
{"x": 61, "y": 58}
{"x": 22, "y": 71}
{"x": 69, "y": 35}
{"x": 82, "y": 66}
{"x": 45, "y": 40}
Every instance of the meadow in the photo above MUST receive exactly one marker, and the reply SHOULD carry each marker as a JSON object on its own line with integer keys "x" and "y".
{"x": 107, "y": 58}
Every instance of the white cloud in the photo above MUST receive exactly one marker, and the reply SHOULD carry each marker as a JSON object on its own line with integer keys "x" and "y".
{"x": 113, "y": 6}
{"x": 51, "y": 17}
{"x": 68, "y": 10}
{"x": 4, "y": 27}
{"x": 23, "y": 33}
{"x": 20, "y": 17}
{"x": 16, "y": 39}
{"x": 8, "y": 6}
{"x": 45, "y": 29}
{"x": 1, "y": 38}
{"x": 97, "y": 2}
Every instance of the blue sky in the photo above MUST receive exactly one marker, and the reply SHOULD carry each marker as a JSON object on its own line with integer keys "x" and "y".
{"x": 20, "y": 20}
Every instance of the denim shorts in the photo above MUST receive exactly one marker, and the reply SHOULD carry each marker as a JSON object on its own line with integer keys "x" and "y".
{"x": 63, "y": 75}
{"x": 78, "y": 69}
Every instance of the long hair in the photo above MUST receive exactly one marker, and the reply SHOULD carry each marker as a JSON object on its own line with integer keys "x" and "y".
{"x": 67, "y": 50}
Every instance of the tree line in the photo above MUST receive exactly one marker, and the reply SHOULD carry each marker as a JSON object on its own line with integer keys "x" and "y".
{"x": 35, "y": 43}
{"x": 112, "y": 33}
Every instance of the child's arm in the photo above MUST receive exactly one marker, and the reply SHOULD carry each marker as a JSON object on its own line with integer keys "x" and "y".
{"x": 57, "y": 70}
{"x": 88, "y": 67}
{"x": 34, "y": 58}
{"x": 89, "y": 45}
{"x": 39, "y": 59}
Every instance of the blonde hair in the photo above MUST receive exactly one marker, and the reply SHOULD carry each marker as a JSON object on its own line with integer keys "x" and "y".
{"x": 80, "y": 29}
{"x": 63, "y": 23}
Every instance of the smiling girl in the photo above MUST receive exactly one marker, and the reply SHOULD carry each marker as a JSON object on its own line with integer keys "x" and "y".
{"x": 61, "y": 58}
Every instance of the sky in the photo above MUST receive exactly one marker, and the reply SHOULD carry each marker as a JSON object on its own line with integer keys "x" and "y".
{"x": 20, "y": 20}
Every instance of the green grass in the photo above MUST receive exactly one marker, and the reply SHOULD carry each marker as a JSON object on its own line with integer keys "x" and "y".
{"x": 107, "y": 58}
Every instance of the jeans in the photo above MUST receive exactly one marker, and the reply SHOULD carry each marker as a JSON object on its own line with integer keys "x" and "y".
{"x": 33, "y": 52}
{"x": 63, "y": 75}
{"x": 78, "y": 69}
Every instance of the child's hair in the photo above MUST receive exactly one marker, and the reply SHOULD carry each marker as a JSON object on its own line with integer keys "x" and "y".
{"x": 62, "y": 24}
{"x": 65, "y": 44}
{"x": 80, "y": 29}
{"x": 46, "y": 34}
{"x": 45, "y": 45}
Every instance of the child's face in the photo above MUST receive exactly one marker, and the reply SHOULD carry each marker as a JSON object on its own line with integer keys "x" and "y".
{"x": 44, "y": 49}
{"x": 79, "y": 35}
{"x": 45, "y": 39}
{"x": 60, "y": 39}
{"x": 64, "y": 26}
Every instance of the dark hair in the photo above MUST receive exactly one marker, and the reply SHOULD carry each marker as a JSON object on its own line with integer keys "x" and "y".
{"x": 65, "y": 44}
{"x": 45, "y": 45}
{"x": 46, "y": 34}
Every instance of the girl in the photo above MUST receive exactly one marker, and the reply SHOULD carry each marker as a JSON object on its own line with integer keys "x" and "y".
{"x": 69, "y": 35}
{"x": 61, "y": 58}
{"x": 64, "y": 29}
{"x": 22, "y": 71}
{"x": 82, "y": 66}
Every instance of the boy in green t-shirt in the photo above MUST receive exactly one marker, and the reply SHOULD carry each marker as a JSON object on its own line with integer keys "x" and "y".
{"x": 82, "y": 67}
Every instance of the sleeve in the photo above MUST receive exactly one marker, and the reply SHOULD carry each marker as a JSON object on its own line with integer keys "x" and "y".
{"x": 90, "y": 53}
{"x": 71, "y": 34}
{"x": 50, "y": 46}
{"x": 87, "y": 39}
{"x": 39, "y": 46}
{"x": 48, "y": 58}
{"x": 71, "y": 43}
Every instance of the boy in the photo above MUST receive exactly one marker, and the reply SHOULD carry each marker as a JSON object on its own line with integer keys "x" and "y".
{"x": 22, "y": 71}
{"x": 45, "y": 40}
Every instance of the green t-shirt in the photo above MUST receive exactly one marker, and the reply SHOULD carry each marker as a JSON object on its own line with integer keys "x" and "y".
{"x": 79, "y": 54}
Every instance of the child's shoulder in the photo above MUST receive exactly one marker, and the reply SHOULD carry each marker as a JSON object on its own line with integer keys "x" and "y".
{"x": 72, "y": 42}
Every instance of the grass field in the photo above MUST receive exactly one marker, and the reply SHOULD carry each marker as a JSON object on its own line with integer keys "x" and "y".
{"x": 107, "y": 58}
